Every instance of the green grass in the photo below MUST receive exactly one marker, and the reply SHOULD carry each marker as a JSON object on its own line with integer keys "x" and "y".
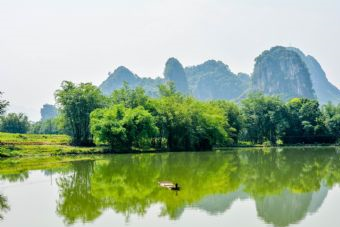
{"x": 26, "y": 145}
{"x": 33, "y": 139}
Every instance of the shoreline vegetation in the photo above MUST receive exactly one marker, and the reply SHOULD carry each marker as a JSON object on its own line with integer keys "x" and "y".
{"x": 34, "y": 145}
{"x": 130, "y": 121}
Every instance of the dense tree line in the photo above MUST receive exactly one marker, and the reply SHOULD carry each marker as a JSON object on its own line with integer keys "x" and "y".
{"x": 14, "y": 123}
{"x": 129, "y": 119}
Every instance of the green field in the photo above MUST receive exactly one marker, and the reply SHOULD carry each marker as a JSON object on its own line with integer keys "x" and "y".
{"x": 33, "y": 139}
{"x": 12, "y": 145}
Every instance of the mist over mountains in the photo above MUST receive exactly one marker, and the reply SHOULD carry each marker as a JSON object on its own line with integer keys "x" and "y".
{"x": 283, "y": 71}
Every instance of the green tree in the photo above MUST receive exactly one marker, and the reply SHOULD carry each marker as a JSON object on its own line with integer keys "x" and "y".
{"x": 76, "y": 102}
{"x": 233, "y": 116}
{"x": 123, "y": 128}
{"x": 4, "y": 207}
{"x": 264, "y": 118}
{"x": 3, "y": 104}
{"x": 130, "y": 98}
{"x": 15, "y": 123}
{"x": 332, "y": 118}
{"x": 306, "y": 122}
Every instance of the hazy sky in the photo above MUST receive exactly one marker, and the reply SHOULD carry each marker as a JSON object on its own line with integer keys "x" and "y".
{"x": 43, "y": 42}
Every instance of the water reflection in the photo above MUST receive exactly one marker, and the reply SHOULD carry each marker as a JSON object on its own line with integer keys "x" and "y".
{"x": 285, "y": 184}
{"x": 3, "y": 206}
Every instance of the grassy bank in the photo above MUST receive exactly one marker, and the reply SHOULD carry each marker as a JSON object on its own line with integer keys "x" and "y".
{"x": 29, "y": 145}
{"x": 33, "y": 139}
{"x": 12, "y": 145}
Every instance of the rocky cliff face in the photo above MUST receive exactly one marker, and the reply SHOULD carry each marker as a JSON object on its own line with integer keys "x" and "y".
{"x": 281, "y": 71}
{"x": 174, "y": 72}
{"x": 324, "y": 90}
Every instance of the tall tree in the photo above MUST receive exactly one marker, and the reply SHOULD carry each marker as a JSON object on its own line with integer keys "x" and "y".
{"x": 3, "y": 104}
{"x": 76, "y": 102}
{"x": 332, "y": 118}
{"x": 233, "y": 116}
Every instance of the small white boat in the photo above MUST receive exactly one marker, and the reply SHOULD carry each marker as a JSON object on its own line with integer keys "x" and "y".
{"x": 169, "y": 185}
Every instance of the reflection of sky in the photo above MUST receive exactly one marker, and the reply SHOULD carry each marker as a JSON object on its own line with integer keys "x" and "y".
{"x": 44, "y": 42}
{"x": 34, "y": 201}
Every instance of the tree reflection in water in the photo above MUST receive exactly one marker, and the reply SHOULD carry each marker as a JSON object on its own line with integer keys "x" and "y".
{"x": 285, "y": 184}
{"x": 4, "y": 207}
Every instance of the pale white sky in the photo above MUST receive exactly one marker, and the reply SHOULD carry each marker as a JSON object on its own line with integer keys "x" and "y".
{"x": 43, "y": 42}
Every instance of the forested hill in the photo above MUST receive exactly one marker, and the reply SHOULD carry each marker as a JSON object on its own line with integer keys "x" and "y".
{"x": 282, "y": 71}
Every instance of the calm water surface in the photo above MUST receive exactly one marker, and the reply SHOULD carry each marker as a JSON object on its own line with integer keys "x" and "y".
{"x": 237, "y": 187}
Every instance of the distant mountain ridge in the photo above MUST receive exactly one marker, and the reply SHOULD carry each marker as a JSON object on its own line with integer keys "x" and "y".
{"x": 283, "y": 71}
{"x": 214, "y": 80}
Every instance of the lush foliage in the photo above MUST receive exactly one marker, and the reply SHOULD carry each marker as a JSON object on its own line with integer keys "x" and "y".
{"x": 76, "y": 103}
{"x": 264, "y": 118}
{"x": 233, "y": 115}
{"x": 123, "y": 128}
{"x": 306, "y": 121}
{"x": 14, "y": 123}
{"x": 129, "y": 119}
{"x": 188, "y": 124}
{"x": 172, "y": 122}
{"x": 301, "y": 120}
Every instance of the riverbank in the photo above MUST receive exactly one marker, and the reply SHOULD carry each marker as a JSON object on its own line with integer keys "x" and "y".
{"x": 30, "y": 145}
{"x": 26, "y": 145}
